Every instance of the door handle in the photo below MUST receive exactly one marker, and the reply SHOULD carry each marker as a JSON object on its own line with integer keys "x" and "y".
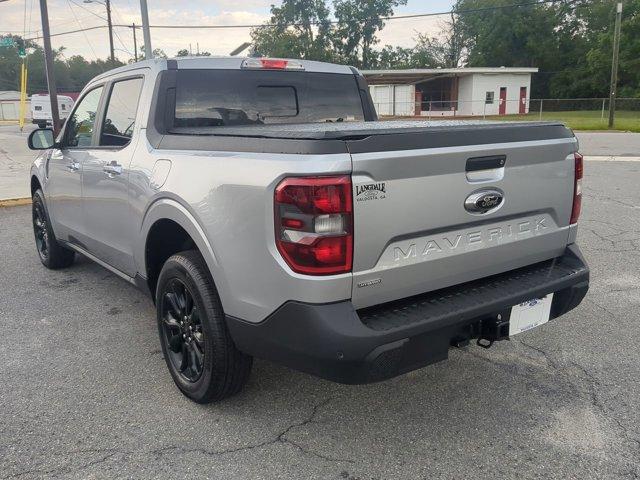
{"x": 112, "y": 169}
{"x": 73, "y": 166}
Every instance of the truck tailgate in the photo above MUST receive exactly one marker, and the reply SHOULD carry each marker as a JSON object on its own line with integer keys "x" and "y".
{"x": 412, "y": 231}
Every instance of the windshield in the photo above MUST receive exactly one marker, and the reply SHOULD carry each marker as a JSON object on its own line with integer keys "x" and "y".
{"x": 216, "y": 98}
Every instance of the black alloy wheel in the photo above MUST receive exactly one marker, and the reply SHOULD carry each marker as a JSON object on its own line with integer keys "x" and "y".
{"x": 183, "y": 334}
{"x": 40, "y": 231}
{"x": 201, "y": 356}
{"x": 52, "y": 254}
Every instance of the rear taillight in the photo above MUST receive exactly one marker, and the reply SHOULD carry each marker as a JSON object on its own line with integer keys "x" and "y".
{"x": 577, "y": 188}
{"x": 314, "y": 224}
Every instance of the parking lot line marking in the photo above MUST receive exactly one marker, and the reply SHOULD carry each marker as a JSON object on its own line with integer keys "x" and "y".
{"x": 611, "y": 158}
{"x": 15, "y": 202}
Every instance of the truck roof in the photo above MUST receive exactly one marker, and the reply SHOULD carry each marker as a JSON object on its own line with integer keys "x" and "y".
{"x": 221, "y": 63}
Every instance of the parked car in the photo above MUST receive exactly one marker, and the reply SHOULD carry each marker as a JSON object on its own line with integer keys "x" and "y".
{"x": 271, "y": 215}
{"x": 41, "y": 108}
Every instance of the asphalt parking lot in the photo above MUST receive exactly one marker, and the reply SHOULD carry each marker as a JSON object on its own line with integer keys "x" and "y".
{"x": 85, "y": 393}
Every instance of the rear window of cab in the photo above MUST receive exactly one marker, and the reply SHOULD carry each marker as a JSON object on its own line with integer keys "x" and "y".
{"x": 218, "y": 98}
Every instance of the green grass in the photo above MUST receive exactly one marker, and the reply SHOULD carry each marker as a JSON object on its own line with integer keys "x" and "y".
{"x": 584, "y": 119}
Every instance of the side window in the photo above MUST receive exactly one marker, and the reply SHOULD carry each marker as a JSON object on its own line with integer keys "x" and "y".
{"x": 81, "y": 123}
{"x": 488, "y": 98}
{"x": 120, "y": 116}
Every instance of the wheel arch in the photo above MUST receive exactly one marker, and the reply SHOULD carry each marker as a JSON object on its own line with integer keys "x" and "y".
{"x": 35, "y": 184}
{"x": 171, "y": 225}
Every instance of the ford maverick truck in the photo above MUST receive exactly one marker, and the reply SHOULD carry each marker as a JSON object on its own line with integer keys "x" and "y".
{"x": 270, "y": 214}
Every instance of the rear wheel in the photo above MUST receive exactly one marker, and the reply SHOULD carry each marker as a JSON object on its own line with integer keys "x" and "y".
{"x": 200, "y": 354}
{"x": 51, "y": 253}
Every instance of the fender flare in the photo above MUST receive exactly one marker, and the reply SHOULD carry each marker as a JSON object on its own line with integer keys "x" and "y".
{"x": 170, "y": 209}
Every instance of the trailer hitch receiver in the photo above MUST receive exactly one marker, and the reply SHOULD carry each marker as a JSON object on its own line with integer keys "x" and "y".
{"x": 492, "y": 330}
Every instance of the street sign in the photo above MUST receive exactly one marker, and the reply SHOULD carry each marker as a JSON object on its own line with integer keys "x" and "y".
{"x": 22, "y": 53}
{"x": 7, "y": 42}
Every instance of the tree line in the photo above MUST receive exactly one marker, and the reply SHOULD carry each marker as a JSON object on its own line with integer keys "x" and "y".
{"x": 570, "y": 42}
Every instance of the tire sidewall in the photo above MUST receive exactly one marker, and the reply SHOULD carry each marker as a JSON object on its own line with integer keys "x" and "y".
{"x": 178, "y": 267}
{"x": 38, "y": 201}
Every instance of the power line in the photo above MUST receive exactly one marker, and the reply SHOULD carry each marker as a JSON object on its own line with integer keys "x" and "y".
{"x": 88, "y": 10}
{"x": 332, "y": 22}
{"x": 86, "y": 37}
{"x": 396, "y": 17}
{"x": 117, "y": 14}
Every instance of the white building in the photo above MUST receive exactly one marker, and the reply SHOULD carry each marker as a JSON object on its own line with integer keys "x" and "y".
{"x": 10, "y": 105}
{"x": 451, "y": 91}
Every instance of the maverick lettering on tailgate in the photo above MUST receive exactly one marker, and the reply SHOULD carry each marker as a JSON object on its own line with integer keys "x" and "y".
{"x": 473, "y": 239}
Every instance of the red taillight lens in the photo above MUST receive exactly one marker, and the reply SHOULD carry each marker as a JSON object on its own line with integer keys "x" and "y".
{"x": 577, "y": 188}
{"x": 271, "y": 64}
{"x": 314, "y": 224}
{"x": 275, "y": 64}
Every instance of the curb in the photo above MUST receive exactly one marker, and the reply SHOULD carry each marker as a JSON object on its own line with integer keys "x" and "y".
{"x": 15, "y": 202}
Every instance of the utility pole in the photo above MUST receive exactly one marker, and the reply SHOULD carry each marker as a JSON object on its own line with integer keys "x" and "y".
{"x": 135, "y": 43}
{"x": 48, "y": 61}
{"x": 108, "y": 5}
{"x": 148, "y": 51}
{"x": 614, "y": 65}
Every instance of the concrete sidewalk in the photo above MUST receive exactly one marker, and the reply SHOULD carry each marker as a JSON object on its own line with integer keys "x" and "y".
{"x": 15, "y": 161}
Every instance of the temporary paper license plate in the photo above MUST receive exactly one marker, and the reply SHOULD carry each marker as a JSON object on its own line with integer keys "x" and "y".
{"x": 530, "y": 314}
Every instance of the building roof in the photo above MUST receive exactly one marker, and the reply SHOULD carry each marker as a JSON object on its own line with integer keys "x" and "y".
{"x": 417, "y": 75}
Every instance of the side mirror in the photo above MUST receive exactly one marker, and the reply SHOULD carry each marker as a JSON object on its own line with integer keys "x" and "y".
{"x": 41, "y": 139}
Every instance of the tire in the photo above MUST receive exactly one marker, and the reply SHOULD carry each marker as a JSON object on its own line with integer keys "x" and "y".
{"x": 203, "y": 360}
{"x": 51, "y": 253}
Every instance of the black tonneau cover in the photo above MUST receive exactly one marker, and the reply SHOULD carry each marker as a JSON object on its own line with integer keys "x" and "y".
{"x": 360, "y": 130}
{"x": 359, "y": 137}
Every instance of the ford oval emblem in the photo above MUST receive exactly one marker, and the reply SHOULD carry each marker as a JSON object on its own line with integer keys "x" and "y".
{"x": 484, "y": 201}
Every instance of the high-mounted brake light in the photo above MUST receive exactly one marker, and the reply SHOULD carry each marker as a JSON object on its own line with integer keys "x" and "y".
{"x": 271, "y": 64}
{"x": 314, "y": 224}
{"x": 577, "y": 188}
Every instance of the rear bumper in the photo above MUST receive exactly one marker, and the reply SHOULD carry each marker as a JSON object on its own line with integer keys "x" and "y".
{"x": 336, "y": 342}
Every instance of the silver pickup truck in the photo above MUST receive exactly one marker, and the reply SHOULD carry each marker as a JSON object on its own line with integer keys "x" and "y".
{"x": 270, "y": 214}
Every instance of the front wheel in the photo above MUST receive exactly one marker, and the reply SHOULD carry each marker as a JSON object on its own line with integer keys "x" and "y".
{"x": 51, "y": 253}
{"x": 200, "y": 354}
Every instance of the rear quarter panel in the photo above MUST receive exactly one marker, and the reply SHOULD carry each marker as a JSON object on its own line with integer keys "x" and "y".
{"x": 229, "y": 195}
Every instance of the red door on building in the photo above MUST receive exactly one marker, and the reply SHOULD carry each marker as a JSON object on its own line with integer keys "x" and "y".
{"x": 523, "y": 100}
{"x": 502, "y": 106}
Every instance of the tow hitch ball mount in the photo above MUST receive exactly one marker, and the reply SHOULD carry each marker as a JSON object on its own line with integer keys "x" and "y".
{"x": 486, "y": 331}
{"x": 492, "y": 330}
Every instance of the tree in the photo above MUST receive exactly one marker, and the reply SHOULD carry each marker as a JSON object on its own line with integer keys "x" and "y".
{"x": 525, "y": 36}
{"x": 72, "y": 73}
{"x": 359, "y": 21}
{"x": 570, "y": 42}
{"x": 185, "y": 53}
{"x": 157, "y": 53}
{"x": 594, "y": 76}
{"x": 297, "y": 28}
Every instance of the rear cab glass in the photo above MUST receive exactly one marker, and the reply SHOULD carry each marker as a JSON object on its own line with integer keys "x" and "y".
{"x": 219, "y": 98}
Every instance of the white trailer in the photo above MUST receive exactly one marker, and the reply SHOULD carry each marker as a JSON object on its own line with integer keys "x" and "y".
{"x": 41, "y": 108}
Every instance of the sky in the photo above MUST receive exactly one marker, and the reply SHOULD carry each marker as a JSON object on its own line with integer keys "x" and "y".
{"x": 65, "y": 15}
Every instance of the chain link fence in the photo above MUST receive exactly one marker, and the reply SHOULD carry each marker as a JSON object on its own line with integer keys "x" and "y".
{"x": 580, "y": 113}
